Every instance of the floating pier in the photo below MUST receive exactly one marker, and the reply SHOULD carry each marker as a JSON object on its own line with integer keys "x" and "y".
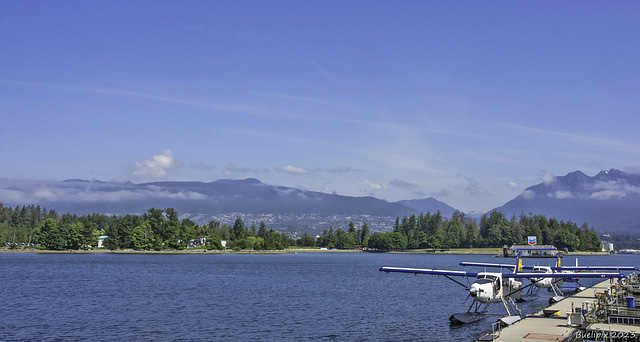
{"x": 603, "y": 312}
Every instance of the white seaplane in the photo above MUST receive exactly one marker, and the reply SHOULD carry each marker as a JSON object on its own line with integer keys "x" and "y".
{"x": 551, "y": 283}
{"x": 495, "y": 287}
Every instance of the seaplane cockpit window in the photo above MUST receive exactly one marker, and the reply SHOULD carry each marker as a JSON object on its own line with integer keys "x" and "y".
{"x": 539, "y": 270}
{"x": 486, "y": 277}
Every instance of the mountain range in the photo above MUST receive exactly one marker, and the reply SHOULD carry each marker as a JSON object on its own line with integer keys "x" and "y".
{"x": 609, "y": 201}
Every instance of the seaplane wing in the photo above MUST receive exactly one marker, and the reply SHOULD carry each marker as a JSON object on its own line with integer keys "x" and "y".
{"x": 484, "y": 264}
{"x": 595, "y": 268}
{"x": 555, "y": 268}
{"x": 564, "y": 275}
{"x": 429, "y": 271}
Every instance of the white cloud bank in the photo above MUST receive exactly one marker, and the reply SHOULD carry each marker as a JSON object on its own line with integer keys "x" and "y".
{"x": 610, "y": 190}
{"x": 32, "y": 192}
{"x": 157, "y": 167}
{"x": 614, "y": 190}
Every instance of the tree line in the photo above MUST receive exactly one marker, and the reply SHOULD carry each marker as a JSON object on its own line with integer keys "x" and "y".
{"x": 432, "y": 231}
{"x": 339, "y": 239}
{"x": 159, "y": 229}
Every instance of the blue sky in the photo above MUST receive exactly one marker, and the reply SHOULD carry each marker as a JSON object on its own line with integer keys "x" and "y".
{"x": 469, "y": 102}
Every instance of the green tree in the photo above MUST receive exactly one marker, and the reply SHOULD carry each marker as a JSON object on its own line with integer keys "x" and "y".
{"x": 564, "y": 239}
{"x": 352, "y": 228}
{"x": 306, "y": 241}
{"x": 51, "y": 236}
{"x": 398, "y": 241}
{"x": 284, "y": 241}
{"x": 435, "y": 241}
{"x": 596, "y": 244}
{"x": 273, "y": 241}
{"x": 262, "y": 230}
{"x": 172, "y": 230}
{"x": 75, "y": 239}
{"x": 142, "y": 237}
{"x": 380, "y": 241}
{"x": 155, "y": 232}
{"x": 213, "y": 241}
{"x": 453, "y": 236}
{"x": 238, "y": 229}
{"x": 364, "y": 235}
{"x": 188, "y": 233}
{"x": 258, "y": 244}
{"x": 243, "y": 244}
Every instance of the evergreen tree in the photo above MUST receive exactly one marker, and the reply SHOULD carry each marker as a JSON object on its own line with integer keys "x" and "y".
{"x": 238, "y": 229}
{"x": 364, "y": 235}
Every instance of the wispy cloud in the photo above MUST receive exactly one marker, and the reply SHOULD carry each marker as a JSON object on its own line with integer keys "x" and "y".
{"x": 563, "y": 194}
{"x": 440, "y": 193}
{"x": 322, "y": 71}
{"x": 546, "y": 177}
{"x": 403, "y": 147}
{"x": 528, "y": 194}
{"x": 294, "y": 170}
{"x": 375, "y": 186}
{"x": 411, "y": 187}
{"x": 601, "y": 143}
{"x": 243, "y": 109}
{"x": 289, "y": 138}
{"x": 234, "y": 170}
{"x": 299, "y": 98}
{"x": 344, "y": 169}
{"x": 105, "y": 91}
{"x": 202, "y": 166}
{"x": 473, "y": 188}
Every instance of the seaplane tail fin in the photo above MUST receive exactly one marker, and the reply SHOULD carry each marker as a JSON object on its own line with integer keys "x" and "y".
{"x": 518, "y": 264}
{"x": 558, "y": 263}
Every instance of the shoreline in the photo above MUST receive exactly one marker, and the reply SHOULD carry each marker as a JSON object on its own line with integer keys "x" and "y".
{"x": 488, "y": 251}
{"x": 172, "y": 251}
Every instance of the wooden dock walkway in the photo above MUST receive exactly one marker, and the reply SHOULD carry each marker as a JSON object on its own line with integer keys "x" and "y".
{"x": 551, "y": 324}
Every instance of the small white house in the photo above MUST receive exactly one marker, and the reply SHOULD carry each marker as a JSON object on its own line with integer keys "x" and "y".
{"x": 223, "y": 243}
{"x": 101, "y": 240}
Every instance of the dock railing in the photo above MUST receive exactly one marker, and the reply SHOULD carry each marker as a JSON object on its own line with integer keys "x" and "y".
{"x": 496, "y": 328}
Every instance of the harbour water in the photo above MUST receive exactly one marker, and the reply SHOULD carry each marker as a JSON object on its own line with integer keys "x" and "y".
{"x": 222, "y": 297}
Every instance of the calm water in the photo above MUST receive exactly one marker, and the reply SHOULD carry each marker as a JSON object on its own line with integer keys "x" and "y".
{"x": 301, "y": 297}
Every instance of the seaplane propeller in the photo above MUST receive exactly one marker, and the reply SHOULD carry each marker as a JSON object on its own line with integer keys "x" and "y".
{"x": 466, "y": 299}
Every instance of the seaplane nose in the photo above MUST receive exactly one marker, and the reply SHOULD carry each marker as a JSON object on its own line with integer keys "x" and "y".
{"x": 474, "y": 291}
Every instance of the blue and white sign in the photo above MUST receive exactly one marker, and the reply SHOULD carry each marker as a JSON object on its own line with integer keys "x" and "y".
{"x": 532, "y": 240}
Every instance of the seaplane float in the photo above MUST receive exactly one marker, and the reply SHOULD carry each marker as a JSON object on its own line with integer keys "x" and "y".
{"x": 499, "y": 287}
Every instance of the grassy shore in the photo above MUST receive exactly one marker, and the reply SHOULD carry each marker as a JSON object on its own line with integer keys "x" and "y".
{"x": 172, "y": 251}
{"x": 487, "y": 251}
{"x": 491, "y": 251}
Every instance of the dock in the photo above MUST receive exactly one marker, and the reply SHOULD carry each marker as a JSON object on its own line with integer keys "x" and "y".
{"x": 603, "y": 312}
